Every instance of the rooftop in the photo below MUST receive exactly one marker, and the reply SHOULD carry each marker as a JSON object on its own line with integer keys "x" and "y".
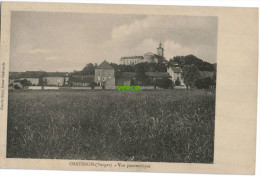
{"x": 35, "y": 74}
{"x": 105, "y": 65}
{"x": 55, "y": 74}
{"x": 132, "y": 57}
{"x": 176, "y": 69}
{"x": 82, "y": 79}
{"x": 27, "y": 74}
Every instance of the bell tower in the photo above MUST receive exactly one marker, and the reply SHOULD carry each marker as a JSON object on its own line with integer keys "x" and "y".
{"x": 160, "y": 50}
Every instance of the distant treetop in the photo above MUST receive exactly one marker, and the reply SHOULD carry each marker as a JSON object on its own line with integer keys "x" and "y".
{"x": 191, "y": 59}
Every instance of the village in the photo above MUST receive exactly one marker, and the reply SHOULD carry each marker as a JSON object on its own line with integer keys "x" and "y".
{"x": 108, "y": 77}
{"x": 112, "y": 87}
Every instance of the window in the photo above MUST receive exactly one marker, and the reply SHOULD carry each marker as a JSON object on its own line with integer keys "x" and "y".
{"x": 103, "y": 79}
{"x": 99, "y": 78}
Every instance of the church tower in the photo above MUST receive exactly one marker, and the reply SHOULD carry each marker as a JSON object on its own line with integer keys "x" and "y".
{"x": 160, "y": 50}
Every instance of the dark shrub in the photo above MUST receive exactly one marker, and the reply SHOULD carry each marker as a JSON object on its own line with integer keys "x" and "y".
{"x": 17, "y": 87}
{"x": 164, "y": 83}
{"x": 178, "y": 82}
{"x": 93, "y": 84}
{"x": 204, "y": 83}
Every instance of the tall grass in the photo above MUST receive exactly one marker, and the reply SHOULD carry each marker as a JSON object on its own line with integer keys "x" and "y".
{"x": 156, "y": 126}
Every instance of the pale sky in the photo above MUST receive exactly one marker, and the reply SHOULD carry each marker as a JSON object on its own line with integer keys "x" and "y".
{"x": 68, "y": 41}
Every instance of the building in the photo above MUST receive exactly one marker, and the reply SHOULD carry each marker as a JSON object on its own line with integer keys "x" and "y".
{"x": 105, "y": 75}
{"x": 32, "y": 76}
{"x": 175, "y": 73}
{"x": 153, "y": 58}
{"x": 55, "y": 78}
{"x": 131, "y": 60}
{"x": 148, "y": 57}
{"x": 160, "y": 50}
{"x": 81, "y": 80}
{"x": 41, "y": 78}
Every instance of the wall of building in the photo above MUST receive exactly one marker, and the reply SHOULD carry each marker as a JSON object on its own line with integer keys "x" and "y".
{"x": 66, "y": 80}
{"x": 160, "y": 51}
{"x": 149, "y": 58}
{"x": 110, "y": 84}
{"x": 34, "y": 81}
{"x": 175, "y": 76}
{"x": 54, "y": 81}
{"x": 77, "y": 84}
{"x": 171, "y": 73}
{"x": 102, "y": 75}
{"x": 132, "y": 61}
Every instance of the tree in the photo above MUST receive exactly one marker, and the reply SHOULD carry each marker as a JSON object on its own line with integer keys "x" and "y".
{"x": 140, "y": 70}
{"x": 25, "y": 82}
{"x": 214, "y": 79}
{"x": 75, "y": 72}
{"x": 149, "y": 67}
{"x": 92, "y": 85}
{"x": 190, "y": 74}
{"x": 160, "y": 67}
{"x": 204, "y": 83}
{"x": 89, "y": 69}
{"x": 174, "y": 60}
{"x": 191, "y": 59}
{"x": 122, "y": 68}
{"x": 41, "y": 81}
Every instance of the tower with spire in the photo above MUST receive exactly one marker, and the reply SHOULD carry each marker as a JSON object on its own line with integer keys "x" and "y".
{"x": 160, "y": 50}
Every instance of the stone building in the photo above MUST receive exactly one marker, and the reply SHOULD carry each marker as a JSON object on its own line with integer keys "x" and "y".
{"x": 56, "y": 78}
{"x": 153, "y": 58}
{"x": 148, "y": 57}
{"x": 131, "y": 60}
{"x": 105, "y": 75}
{"x": 175, "y": 73}
{"x": 160, "y": 50}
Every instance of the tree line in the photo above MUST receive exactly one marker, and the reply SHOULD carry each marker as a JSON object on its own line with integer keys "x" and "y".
{"x": 192, "y": 60}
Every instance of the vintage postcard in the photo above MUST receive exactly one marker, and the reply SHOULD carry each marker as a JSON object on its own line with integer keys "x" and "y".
{"x": 128, "y": 88}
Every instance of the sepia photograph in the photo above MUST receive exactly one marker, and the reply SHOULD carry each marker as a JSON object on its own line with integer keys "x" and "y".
{"x": 135, "y": 88}
{"x": 112, "y": 87}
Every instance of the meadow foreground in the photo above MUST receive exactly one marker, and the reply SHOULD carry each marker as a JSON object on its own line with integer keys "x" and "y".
{"x": 154, "y": 126}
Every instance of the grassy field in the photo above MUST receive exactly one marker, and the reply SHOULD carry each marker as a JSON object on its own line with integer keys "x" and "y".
{"x": 156, "y": 126}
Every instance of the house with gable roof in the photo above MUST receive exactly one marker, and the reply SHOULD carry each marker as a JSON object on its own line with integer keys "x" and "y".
{"x": 105, "y": 75}
{"x": 175, "y": 73}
